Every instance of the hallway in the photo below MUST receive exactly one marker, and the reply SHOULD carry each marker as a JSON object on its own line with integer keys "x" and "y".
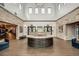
{"x": 20, "y": 48}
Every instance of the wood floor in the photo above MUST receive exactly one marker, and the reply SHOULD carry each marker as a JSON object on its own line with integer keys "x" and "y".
{"x": 20, "y": 48}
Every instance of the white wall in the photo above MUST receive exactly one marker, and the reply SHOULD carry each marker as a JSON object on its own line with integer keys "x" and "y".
{"x": 53, "y": 24}
{"x": 65, "y": 8}
{"x": 14, "y": 7}
{"x": 40, "y": 16}
{"x": 56, "y": 13}
{"x": 70, "y": 31}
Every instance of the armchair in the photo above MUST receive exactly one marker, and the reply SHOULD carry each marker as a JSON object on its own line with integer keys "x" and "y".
{"x": 74, "y": 43}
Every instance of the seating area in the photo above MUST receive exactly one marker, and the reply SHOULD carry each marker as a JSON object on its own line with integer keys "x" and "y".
{"x": 4, "y": 45}
{"x": 4, "y": 42}
{"x": 75, "y": 44}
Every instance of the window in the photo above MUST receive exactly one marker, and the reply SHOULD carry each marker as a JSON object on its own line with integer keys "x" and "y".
{"x": 30, "y": 10}
{"x": 43, "y": 10}
{"x": 59, "y": 6}
{"x": 49, "y": 10}
{"x": 21, "y": 29}
{"x": 20, "y": 7}
{"x": 36, "y": 10}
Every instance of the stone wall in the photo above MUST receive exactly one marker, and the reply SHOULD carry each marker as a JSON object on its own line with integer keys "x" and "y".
{"x": 69, "y": 18}
{"x": 6, "y": 16}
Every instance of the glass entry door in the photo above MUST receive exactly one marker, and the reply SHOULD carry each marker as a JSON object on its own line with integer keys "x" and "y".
{"x": 77, "y": 32}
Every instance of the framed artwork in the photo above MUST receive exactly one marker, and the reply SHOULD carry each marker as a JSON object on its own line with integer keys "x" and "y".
{"x": 21, "y": 29}
{"x": 61, "y": 28}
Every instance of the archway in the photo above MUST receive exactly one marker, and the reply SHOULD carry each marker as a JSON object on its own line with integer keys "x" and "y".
{"x": 10, "y": 30}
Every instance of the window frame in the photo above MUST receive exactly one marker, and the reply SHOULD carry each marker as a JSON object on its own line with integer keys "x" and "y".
{"x": 30, "y": 10}
{"x": 43, "y": 10}
{"x": 36, "y": 10}
{"x": 49, "y": 12}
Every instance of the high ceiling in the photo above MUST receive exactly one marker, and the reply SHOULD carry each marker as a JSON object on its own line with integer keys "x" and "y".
{"x": 57, "y": 10}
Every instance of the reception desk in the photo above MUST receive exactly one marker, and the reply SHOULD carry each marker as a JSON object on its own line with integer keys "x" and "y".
{"x": 40, "y": 41}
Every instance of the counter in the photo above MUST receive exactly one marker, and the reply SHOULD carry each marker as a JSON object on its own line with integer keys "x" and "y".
{"x": 40, "y": 41}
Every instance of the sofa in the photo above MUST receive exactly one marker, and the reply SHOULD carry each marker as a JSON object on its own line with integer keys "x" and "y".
{"x": 4, "y": 45}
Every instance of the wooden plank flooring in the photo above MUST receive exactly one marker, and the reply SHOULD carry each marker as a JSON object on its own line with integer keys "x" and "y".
{"x": 20, "y": 48}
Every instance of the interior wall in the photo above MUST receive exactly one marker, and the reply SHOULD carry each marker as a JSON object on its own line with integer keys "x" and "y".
{"x": 70, "y": 31}
{"x": 6, "y": 16}
{"x": 53, "y": 24}
{"x": 66, "y": 8}
{"x": 16, "y": 8}
{"x": 72, "y": 17}
{"x": 61, "y": 35}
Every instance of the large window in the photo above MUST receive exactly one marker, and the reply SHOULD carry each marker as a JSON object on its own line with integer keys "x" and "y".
{"x": 30, "y": 10}
{"x": 42, "y": 10}
{"x": 36, "y": 11}
{"x": 20, "y": 7}
{"x": 49, "y": 10}
{"x": 59, "y": 7}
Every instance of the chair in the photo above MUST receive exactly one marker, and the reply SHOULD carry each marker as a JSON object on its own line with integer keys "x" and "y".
{"x": 4, "y": 45}
{"x": 74, "y": 43}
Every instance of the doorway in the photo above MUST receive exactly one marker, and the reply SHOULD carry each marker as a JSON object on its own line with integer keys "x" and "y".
{"x": 77, "y": 31}
{"x": 10, "y": 30}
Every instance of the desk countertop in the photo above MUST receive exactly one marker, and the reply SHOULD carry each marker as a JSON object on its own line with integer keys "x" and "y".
{"x": 46, "y": 36}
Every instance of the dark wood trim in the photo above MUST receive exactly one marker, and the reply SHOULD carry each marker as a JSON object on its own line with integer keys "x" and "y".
{"x": 42, "y": 42}
{"x": 11, "y": 13}
{"x": 68, "y": 13}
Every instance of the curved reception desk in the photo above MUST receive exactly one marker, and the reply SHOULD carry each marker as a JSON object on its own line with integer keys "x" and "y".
{"x": 40, "y": 41}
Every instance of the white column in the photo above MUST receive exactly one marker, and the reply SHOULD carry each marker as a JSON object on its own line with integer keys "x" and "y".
{"x": 17, "y": 32}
